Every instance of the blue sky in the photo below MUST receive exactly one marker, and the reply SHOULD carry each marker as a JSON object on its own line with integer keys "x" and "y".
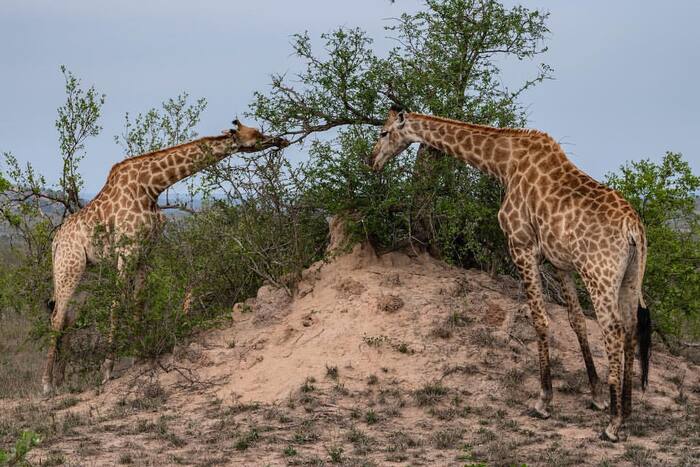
{"x": 625, "y": 84}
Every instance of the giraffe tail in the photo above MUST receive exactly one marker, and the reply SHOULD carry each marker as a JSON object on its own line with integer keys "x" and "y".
{"x": 644, "y": 340}
{"x": 644, "y": 327}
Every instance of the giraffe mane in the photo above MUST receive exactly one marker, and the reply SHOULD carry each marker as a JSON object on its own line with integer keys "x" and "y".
{"x": 170, "y": 148}
{"x": 525, "y": 131}
{"x": 129, "y": 160}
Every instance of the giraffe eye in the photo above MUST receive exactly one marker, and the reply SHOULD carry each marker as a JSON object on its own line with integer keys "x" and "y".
{"x": 383, "y": 134}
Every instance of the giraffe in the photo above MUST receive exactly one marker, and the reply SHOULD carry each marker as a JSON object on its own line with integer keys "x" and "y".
{"x": 127, "y": 206}
{"x": 552, "y": 210}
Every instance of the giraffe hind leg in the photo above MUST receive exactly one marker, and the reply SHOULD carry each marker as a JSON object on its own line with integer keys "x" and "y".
{"x": 139, "y": 281}
{"x": 614, "y": 344}
{"x": 605, "y": 301}
{"x": 108, "y": 363}
{"x": 628, "y": 303}
{"x": 630, "y": 345}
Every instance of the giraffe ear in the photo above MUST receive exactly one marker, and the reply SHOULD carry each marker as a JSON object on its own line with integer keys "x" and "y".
{"x": 401, "y": 117}
{"x": 236, "y": 123}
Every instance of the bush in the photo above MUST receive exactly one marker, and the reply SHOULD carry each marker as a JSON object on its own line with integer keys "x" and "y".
{"x": 448, "y": 207}
{"x": 24, "y": 444}
{"x": 196, "y": 270}
{"x": 441, "y": 67}
{"x": 664, "y": 196}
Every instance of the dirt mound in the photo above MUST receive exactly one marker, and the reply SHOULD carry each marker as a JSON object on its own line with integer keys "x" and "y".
{"x": 344, "y": 316}
{"x": 374, "y": 360}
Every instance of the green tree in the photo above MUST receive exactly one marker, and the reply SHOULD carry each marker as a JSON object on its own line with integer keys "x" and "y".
{"x": 446, "y": 63}
{"x": 664, "y": 196}
{"x": 76, "y": 122}
{"x": 32, "y": 209}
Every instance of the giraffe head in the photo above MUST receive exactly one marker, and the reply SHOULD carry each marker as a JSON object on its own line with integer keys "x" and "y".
{"x": 249, "y": 138}
{"x": 393, "y": 139}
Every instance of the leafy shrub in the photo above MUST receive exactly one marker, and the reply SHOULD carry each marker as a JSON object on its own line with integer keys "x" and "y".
{"x": 664, "y": 196}
{"x": 24, "y": 444}
{"x": 441, "y": 67}
{"x": 194, "y": 271}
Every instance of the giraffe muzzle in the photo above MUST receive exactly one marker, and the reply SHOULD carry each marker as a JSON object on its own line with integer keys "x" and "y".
{"x": 280, "y": 142}
{"x": 370, "y": 162}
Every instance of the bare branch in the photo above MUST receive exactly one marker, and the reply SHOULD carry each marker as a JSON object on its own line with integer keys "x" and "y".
{"x": 180, "y": 207}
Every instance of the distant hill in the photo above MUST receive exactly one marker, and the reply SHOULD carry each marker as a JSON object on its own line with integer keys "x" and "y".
{"x": 55, "y": 210}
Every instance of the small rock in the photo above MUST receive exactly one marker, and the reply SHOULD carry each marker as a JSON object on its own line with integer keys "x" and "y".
{"x": 391, "y": 280}
{"x": 304, "y": 289}
{"x": 349, "y": 287}
{"x": 456, "y": 288}
{"x": 237, "y": 308}
{"x": 389, "y": 303}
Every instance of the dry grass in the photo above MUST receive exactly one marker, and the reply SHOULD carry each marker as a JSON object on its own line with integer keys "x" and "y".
{"x": 21, "y": 360}
{"x": 354, "y": 428}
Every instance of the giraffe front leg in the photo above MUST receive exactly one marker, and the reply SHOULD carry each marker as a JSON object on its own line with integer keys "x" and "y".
{"x": 108, "y": 364}
{"x": 539, "y": 319}
{"x": 68, "y": 268}
{"x": 54, "y": 366}
{"x": 47, "y": 376}
{"x": 527, "y": 262}
{"x": 59, "y": 371}
{"x": 63, "y": 345}
{"x": 578, "y": 323}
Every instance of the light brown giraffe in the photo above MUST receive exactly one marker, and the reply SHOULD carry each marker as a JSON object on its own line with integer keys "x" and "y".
{"x": 555, "y": 211}
{"x": 127, "y": 206}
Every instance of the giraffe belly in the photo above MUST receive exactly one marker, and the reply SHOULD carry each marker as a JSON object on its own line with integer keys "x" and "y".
{"x": 555, "y": 248}
{"x": 559, "y": 259}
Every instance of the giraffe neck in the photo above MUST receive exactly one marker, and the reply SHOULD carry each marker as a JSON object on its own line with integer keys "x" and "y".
{"x": 491, "y": 150}
{"x": 168, "y": 166}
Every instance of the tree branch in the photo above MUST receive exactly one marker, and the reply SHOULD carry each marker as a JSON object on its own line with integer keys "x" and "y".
{"x": 180, "y": 207}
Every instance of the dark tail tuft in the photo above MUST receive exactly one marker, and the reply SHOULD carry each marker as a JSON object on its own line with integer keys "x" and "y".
{"x": 50, "y": 304}
{"x": 644, "y": 339}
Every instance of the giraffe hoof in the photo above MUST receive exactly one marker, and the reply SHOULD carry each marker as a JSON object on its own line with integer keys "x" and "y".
{"x": 598, "y": 405}
{"x": 47, "y": 392}
{"x": 107, "y": 366}
{"x": 605, "y": 436}
{"x": 537, "y": 413}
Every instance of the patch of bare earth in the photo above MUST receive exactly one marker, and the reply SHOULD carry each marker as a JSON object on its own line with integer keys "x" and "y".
{"x": 390, "y": 360}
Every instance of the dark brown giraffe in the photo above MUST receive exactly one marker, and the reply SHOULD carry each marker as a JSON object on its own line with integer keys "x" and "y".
{"x": 127, "y": 206}
{"x": 553, "y": 210}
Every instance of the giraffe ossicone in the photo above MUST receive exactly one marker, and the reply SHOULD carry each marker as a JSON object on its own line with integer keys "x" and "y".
{"x": 553, "y": 210}
{"x": 127, "y": 206}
